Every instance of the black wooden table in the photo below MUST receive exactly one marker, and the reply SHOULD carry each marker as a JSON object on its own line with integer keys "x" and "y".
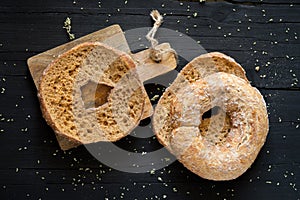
{"x": 260, "y": 34}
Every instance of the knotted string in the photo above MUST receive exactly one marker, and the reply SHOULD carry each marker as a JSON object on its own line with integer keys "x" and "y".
{"x": 158, "y": 19}
{"x": 156, "y": 54}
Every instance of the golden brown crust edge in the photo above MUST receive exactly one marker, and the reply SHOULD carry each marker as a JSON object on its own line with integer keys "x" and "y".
{"x": 65, "y": 142}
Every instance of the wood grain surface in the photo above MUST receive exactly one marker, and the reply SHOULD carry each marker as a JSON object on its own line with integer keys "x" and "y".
{"x": 262, "y": 33}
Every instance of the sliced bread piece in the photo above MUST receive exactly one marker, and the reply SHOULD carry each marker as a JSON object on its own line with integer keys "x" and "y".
{"x": 91, "y": 93}
{"x": 211, "y": 118}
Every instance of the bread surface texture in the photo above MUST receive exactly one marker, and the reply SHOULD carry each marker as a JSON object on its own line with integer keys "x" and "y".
{"x": 91, "y": 93}
{"x": 198, "y": 68}
{"x": 212, "y": 119}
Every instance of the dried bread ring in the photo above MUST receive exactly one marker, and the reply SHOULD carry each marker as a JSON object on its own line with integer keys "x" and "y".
{"x": 91, "y": 93}
{"x": 221, "y": 146}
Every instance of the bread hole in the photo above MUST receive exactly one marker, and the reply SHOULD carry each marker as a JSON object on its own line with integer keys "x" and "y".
{"x": 132, "y": 115}
{"x": 215, "y": 125}
{"x": 131, "y": 106}
{"x": 56, "y": 80}
{"x": 120, "y": 68}
{"x": 94, "y": 95}
{"x": 117, "y": 77}
{"x": 211, "y": 112}
{"x": 145, "y": 122}
{"x": 71, "y": 72}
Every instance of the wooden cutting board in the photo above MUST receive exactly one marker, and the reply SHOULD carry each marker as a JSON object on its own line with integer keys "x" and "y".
{"x": 114, "y": 37}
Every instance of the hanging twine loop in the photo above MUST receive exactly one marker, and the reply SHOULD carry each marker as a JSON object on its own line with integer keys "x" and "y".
{"x": 156, "y": 54}
{"x": 158, "y": 19}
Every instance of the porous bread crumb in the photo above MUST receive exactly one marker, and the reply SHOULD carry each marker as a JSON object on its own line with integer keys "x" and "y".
{"x": 73, "y": 121}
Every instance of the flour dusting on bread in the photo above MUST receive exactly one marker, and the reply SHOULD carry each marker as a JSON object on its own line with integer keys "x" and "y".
{"x": 211, "y": 118}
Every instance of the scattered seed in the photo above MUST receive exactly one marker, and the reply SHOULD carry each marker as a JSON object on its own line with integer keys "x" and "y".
{"x": 269, "y": 182}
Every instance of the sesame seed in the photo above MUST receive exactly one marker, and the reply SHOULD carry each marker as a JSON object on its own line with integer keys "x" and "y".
{"x": 268, "y": 182}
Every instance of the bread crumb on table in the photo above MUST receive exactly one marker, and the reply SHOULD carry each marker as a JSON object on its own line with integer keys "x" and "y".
{"x": 68, "y": 26}
{"x": 154, "y": 97}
